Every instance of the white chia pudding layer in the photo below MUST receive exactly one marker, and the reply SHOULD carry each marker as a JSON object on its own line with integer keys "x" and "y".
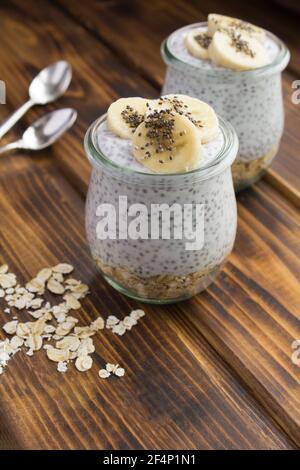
{"x": 120, "y": 150}
{"x": 158, "y": 268}
{"x": 250, "y": 100}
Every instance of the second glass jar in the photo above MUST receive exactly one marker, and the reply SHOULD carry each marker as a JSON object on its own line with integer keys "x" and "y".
{"x": 250, "y": 100}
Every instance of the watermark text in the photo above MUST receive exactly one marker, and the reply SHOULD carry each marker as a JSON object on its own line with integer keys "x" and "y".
{"x": 161, "y": 221}
{"x": 296, "y": 93}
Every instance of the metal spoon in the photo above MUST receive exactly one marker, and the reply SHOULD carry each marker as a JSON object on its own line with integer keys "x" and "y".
{"x": 45, "y": 131}
{"x": 47, "y": 86}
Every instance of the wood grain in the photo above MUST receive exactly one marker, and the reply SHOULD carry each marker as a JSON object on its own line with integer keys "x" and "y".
{"x": 193, "y": 398}
{"x": 98, "y": 78}
{"x": 141, "y": 49}
{"x": 275, "y": 18}
{"x": 283, "y": 284}
{"x": 177, "y": 392}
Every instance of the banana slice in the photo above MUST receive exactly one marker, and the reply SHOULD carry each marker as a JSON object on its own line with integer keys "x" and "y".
{"x": 217, "y": 22}
{"x": 237, "y": 51}
{"x": 125, "y": 115}
{"x": 199, "y": 113}
{"x": 197, "y": 43}
{"x": 167, "y": 142}
{"x": 158, "y": 105}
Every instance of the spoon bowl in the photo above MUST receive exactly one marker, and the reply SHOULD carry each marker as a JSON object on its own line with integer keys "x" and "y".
{"x": 46, "y": 130}
{"x": 51, "y": 82}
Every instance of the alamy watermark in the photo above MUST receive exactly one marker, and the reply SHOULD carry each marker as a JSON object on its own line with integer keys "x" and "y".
{"x": 296, "y": 93}
{"x": 2, "y": 92}
{"x": 296, "y": 354}
{"x": 159, "y": 221}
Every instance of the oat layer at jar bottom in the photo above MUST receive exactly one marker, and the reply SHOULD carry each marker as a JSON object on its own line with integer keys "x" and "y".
{"x": 163, "y": 288}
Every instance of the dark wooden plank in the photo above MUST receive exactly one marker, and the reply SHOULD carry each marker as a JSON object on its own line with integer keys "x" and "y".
{"x": 111, "y": 21}
{"x": 251, "y": 313}
{"x": 177, "y": 392}
{"x": 96, "y": 84}
{"x": 98, "y": 78}
{"x": 281, "y": 21}
{"x": 262, "y": 323}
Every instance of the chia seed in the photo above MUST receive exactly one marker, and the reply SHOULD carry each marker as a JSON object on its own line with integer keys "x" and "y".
{"x": 203, "y": 40}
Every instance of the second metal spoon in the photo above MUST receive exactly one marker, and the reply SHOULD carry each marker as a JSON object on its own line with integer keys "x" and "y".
{"x": 45, "y": 131}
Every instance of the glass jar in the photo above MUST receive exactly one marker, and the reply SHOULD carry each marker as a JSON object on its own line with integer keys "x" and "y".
{"x": 156, "y": 268}
{"x": 250, "y": 100}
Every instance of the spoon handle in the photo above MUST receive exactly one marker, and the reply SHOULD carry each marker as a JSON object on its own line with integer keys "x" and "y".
{"x": 11, "y": 121}
{"x": 11, "y": 146}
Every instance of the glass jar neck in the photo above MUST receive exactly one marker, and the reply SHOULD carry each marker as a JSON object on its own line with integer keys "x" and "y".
{"x": 221, "y": 74}
{"x": 223, "y": 160}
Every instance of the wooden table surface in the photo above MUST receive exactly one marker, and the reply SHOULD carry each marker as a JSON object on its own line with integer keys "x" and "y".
{"x": 213, "y": 372}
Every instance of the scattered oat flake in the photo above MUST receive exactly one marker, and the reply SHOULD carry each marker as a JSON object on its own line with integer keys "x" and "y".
{"x": 64, "y": 328}
{"x": 57, "y": 355}
{"x": 58, "y": 277}
{"x": 34, "y": 342}
{"x": 44, "y": 274}
{"x": 4, "y": 356}
{"x": 62, "y": 367}
{"x": 37, "y": 314}
{"x": 11, "y": 290}
{"x": 84, "y": 362}
{"x": 72, "y": 281}
{"x": 103, "y": 374}
{"x": 83, "y": 331}
{"x": 119, "y": 372}
{"x": 7, "y": 280}
{"x": 49, "y": 329}
{"x": 23, "y": 330}
{"x": 71, "y": 302}
{"x": 80, "y": 289}
{"x": 114, "y": 369}
{"x": 63, "y": 268}
{"x": 98, "y": 324}
{"x": 16, "y": 342}
{"x": 111, "y": 321}
{"x": 72, "y": 343}
{"x": 55, "y": 287}
{"x": 137, "y": 314}
{"x": 36, "y": 303}
{"x": 3, "y": 269}
{"x": 86, "y": 346}
{"x": 110, "y": 367}
{"x": 35, "y": 285}
{"x": 10, "y": 327}
{"x": 72, "y": 319}
{"x": 119, "y": 329}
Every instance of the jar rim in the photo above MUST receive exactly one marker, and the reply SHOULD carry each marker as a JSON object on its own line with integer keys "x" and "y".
{"x": 223, "y": 159}
{"x": 278, "y": 64}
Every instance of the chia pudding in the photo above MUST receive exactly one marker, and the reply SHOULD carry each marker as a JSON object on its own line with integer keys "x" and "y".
{"x": 161, "y": 270}
{"x": 248, "y": 97}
